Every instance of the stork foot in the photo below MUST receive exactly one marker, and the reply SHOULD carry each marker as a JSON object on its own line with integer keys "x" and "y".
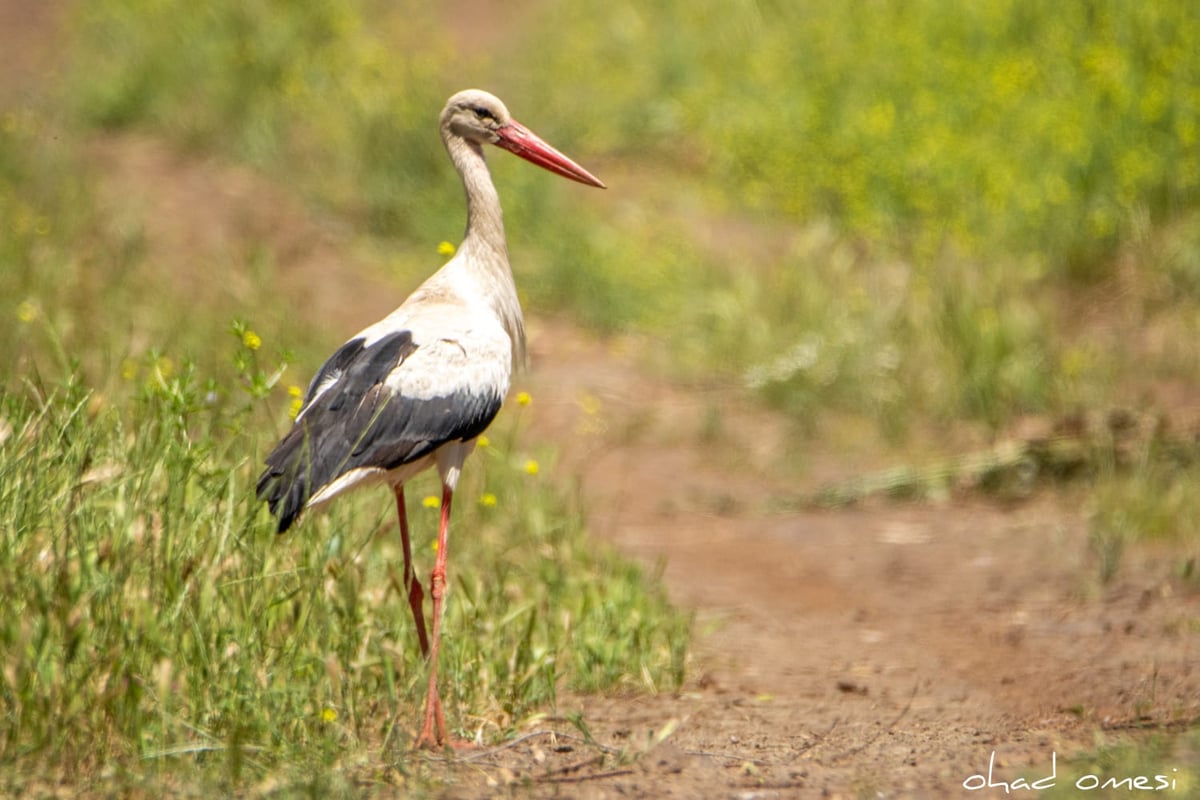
{"x": 434, "y": 718}
{"x": 433, "y": 732}
{"x": 434, "y": 735}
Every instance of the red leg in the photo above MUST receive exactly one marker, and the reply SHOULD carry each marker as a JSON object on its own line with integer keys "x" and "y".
{"x": 416, "y": 597}
{"x": 437, "y": 586}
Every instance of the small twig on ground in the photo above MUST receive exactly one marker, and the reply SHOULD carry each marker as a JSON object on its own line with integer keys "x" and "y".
{"x": 537, "y": 735}
{"x": 758, "y": 762}
{"x": 596, "y": 776}
{"x": 763, "y": 762}
{"x": 871, "y": 740}
{"x": 561, "y": 774}
{"x": 817, "y": 742}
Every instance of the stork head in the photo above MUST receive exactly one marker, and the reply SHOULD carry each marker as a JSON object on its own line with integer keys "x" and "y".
{"x": 480, "y": 117}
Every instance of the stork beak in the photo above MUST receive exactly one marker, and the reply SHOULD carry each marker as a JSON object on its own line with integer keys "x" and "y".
{"x": 519, "y": 140}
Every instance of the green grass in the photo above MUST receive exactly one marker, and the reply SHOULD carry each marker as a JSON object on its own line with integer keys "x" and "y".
{"x": 158, "y": 627}
{"x": 1163, "y": 764}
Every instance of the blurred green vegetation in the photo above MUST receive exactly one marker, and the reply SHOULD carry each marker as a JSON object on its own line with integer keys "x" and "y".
{"x": 321, "y": 91}
{"x": 1003, "y": 128}
{"x": 992, "y": 156}
{"x": 989, "y": 157}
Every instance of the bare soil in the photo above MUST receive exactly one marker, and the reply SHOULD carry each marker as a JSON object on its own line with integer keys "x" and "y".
{"x": 882, "y": 650}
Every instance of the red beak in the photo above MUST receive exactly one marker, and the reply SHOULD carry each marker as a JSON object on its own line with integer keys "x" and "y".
{"x": 519, "y": 140}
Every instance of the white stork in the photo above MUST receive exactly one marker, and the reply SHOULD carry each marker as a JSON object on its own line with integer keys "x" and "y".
{"x": 417, "y": 388}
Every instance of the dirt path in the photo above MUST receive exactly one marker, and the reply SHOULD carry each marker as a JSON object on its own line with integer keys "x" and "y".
{"x": 889, "y": 648}
{"x": 886, "y": 650}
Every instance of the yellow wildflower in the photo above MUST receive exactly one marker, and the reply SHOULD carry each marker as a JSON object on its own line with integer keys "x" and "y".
{"x": 483, "y": 441}
{"x": 446, "y": 249}
{"x": 297, "y": 395}
{"x": 432, "y": 501}
{"x": 531, "y": 467}
{"x": 524, "y": 398}
{"x": 129, "y": 369}
{"x": 328, "y": 714}
{"x": 487, "y": 499}
{"x": 251, "y": 339}
{"x": 27, "y": 311}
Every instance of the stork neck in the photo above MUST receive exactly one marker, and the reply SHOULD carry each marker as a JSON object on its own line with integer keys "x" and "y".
{"x": 485, "y": 220}
{"x": 484, "y": 252}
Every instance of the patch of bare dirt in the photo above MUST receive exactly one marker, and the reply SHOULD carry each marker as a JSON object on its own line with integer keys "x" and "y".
{"x": 206, "y": 224}
{"x": 885, "y": 648}
{"x": 28, "y": 33}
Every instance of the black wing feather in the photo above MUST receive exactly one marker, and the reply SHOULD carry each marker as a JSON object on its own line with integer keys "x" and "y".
{"x": 358, "y": 421}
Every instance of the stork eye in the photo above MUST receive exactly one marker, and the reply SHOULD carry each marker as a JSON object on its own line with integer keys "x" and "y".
{"x": 484, "y": 113}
